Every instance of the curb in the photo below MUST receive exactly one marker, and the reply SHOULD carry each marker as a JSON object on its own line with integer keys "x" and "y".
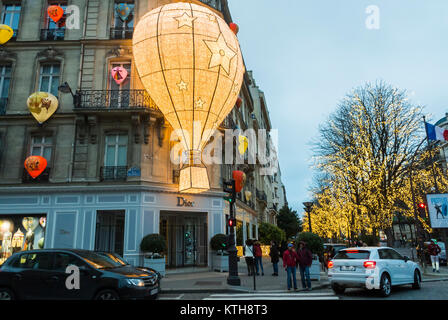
{"x": 435, "y": 279}
{"x": 225, "y": 290}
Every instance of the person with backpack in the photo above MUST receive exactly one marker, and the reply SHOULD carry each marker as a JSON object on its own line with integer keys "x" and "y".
{"x": 258, "y": 258}
{"x": 290, "y": 260}
{"x": 305, "y": 259}
{"x": 249, "y": 256}
{"x": 434, "y": 251}
{"x": 274, "y": 254}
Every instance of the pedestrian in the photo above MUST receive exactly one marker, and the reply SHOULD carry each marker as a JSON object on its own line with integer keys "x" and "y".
{"x": 258, "y": 258}
{"x": 305, "y": 259}
{"x": 434, "y": 251}
{"x": 274, "y": 254}
{"x": 290, "y": 259}
{"x": 248, "y": 253}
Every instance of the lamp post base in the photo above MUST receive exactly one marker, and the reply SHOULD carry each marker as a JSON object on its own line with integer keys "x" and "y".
{"x": 233, "y": 281}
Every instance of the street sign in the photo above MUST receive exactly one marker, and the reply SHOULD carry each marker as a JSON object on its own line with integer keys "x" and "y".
{"x": 134, "y": 172}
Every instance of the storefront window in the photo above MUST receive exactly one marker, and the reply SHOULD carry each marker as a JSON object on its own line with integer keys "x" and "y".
{"x": 21, "y": 233}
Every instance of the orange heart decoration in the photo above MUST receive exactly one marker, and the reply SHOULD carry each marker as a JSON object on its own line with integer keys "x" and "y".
{"x": 55, "y": 12}
{"x": 35, "y": 165}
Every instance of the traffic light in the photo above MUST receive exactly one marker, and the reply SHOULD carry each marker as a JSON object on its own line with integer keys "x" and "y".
{"x": 231, "y": 222}
{"x": 422, "y": 209}
{"x": 229, "y": 187}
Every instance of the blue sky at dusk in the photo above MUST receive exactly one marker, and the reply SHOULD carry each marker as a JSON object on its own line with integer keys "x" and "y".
{"x": 306, "y": 55}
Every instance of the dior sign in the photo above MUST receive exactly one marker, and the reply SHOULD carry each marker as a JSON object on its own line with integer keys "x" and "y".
{"x": 182, "y": 202}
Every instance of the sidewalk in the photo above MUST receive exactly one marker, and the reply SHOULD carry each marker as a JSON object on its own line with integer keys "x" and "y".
{"x": 216, "y": 282}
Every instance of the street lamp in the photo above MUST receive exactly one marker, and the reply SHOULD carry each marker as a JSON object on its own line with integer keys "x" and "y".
{"x": 65, "y": 88}
{"x": 308, "y": 208}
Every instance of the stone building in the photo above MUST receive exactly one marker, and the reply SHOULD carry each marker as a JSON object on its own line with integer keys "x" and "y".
{"x": 109, "y": 179}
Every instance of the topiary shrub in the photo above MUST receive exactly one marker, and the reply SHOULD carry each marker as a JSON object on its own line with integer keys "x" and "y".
{"x": 268, "y": 232}
{"x": 218, "y": 242}
{"x": 313, "y": 242}
{"x": 153, "y": 243}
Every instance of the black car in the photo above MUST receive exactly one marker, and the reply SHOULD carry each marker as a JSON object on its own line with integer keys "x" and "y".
{"x": 43, "y": 274}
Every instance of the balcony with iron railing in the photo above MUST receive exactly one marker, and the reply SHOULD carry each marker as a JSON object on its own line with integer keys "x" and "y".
{"x": 43, "y": 177}
{"x": 121, "y": 33}
{"x": 113, "y": 173}
{"x": 114, "y": 100}
{"x": 52, "y": 34}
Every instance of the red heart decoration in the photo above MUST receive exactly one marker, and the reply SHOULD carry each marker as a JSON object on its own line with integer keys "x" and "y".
{"x": 55, "y": 13}
{"x": 35, "y": 165}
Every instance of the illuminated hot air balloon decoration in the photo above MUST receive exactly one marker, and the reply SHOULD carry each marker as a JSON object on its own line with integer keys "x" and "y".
{"x": 6, "y": 33}
{"x": 35, "y": 165}
{"x": 42, "y": 105}
{"x": 190, "y": 62}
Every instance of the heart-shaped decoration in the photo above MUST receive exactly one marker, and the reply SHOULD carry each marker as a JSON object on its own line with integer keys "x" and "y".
{"x": 6, "y": 33}
{"x": 243, "y": 144}
{"x": 42, "y": 105}
{"x": 119, "y": 74}
{"x": 123, "y": 11}
{"x": 35, "y": 165}
{"x": 55, "y": 12}
{"x": 29, "y": 223}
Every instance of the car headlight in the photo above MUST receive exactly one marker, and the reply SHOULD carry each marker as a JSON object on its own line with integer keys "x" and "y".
{"x": 135, "y": 282}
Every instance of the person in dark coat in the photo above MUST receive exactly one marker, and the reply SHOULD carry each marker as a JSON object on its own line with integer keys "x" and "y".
{"x": 275, "y": 257}
{"x": 305, "y": 259}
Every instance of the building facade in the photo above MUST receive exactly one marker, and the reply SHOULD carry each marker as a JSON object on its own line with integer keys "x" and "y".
{"x": 109, "y": 180}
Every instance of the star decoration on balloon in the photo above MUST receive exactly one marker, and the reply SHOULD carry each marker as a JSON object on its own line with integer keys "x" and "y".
{"x": 200, "y": 103}
{"x": 185, "y": 20}
{"x": 212, "y": 18}
{"x": 236, "y": 87}
{"x": 222, "y": 54}
{"x": 183, "y": 86}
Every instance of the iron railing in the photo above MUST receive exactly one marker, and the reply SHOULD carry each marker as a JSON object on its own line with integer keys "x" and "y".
{"x": 52, "y": 34}
{"x": 3, "y": 104}
{"x": 44, "y": 176}
{"x": 114, "y": 99}
{"x": 114, "y": 173}
{"x": 121, "y": 33}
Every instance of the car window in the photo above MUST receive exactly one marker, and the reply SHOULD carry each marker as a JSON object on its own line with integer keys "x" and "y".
{"x": 34, "y": 261}
{"x": 352, "y": 255}
{"x": 63, "y": 260}
{"x": 384, "y": 254}
{"x": 395, "y": 255}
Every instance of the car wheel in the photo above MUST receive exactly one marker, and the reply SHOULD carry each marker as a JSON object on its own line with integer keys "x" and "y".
{"x": 385, "y": 285}
{"x": 107, "y": 295}
{"x": 6, "y": 294}
{"x": 337, "y": 288}
{"x": 417, "y": 280}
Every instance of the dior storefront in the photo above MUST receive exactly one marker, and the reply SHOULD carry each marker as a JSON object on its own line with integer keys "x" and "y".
{"x": 111, "y": 221}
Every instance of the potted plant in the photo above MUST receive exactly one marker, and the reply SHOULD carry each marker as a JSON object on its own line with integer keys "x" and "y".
{"x": 220, "y": 257}
{"x": 153, "y": 247}
{"x": 316, "y": 246}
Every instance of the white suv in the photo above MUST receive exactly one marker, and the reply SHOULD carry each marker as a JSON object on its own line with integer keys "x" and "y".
{"x": 377, "y": 268}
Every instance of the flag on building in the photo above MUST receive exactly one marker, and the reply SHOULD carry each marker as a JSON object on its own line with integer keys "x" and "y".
{"x": 436, "y": 133}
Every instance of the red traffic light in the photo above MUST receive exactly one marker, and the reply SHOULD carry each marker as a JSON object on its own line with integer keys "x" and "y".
{"x": 232, "y": 222}
{"x": 422, "y": 205}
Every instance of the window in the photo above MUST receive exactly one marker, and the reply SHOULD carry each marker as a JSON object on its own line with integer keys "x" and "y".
{"x": 394, "y": 255}
{"x": 11, "y": 16}
{"x": 42, "y": 146}
{"x": 34, "y": 261}
{"x": 123, "y": 29}
{"x": 115, "y": 158}
{"x": 352, "y": 255}
{"x": 49, "y": 78}
{"x": 5, "y": 80}
{"x": 63, "y": 260}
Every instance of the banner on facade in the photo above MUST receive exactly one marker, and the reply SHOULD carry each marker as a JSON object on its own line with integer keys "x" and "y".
{"x": 438, "y": 210}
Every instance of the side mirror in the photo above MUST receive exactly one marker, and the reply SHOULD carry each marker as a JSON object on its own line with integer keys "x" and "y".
{"x": 406, "y": 259}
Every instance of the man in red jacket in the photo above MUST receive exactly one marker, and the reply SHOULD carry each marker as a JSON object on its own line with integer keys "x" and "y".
{"x": 290, "y": 260}
{"x": 434, "y": 251}
{"x": 305, "y": 259}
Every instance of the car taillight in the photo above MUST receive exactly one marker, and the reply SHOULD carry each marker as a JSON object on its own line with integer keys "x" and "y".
{"x": 369, "y": 264}
{"x": 330, "y": 264}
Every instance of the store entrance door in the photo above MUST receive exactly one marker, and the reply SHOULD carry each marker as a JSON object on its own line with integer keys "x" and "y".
{"x": 186, "y": 235}
{"x": 109, "y": 234}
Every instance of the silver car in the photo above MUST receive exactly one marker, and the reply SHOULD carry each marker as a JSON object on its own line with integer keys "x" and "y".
{"x": 373, "y": 268}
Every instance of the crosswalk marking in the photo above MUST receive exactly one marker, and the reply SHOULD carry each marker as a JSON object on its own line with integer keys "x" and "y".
{"x": 274, "y": 296}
